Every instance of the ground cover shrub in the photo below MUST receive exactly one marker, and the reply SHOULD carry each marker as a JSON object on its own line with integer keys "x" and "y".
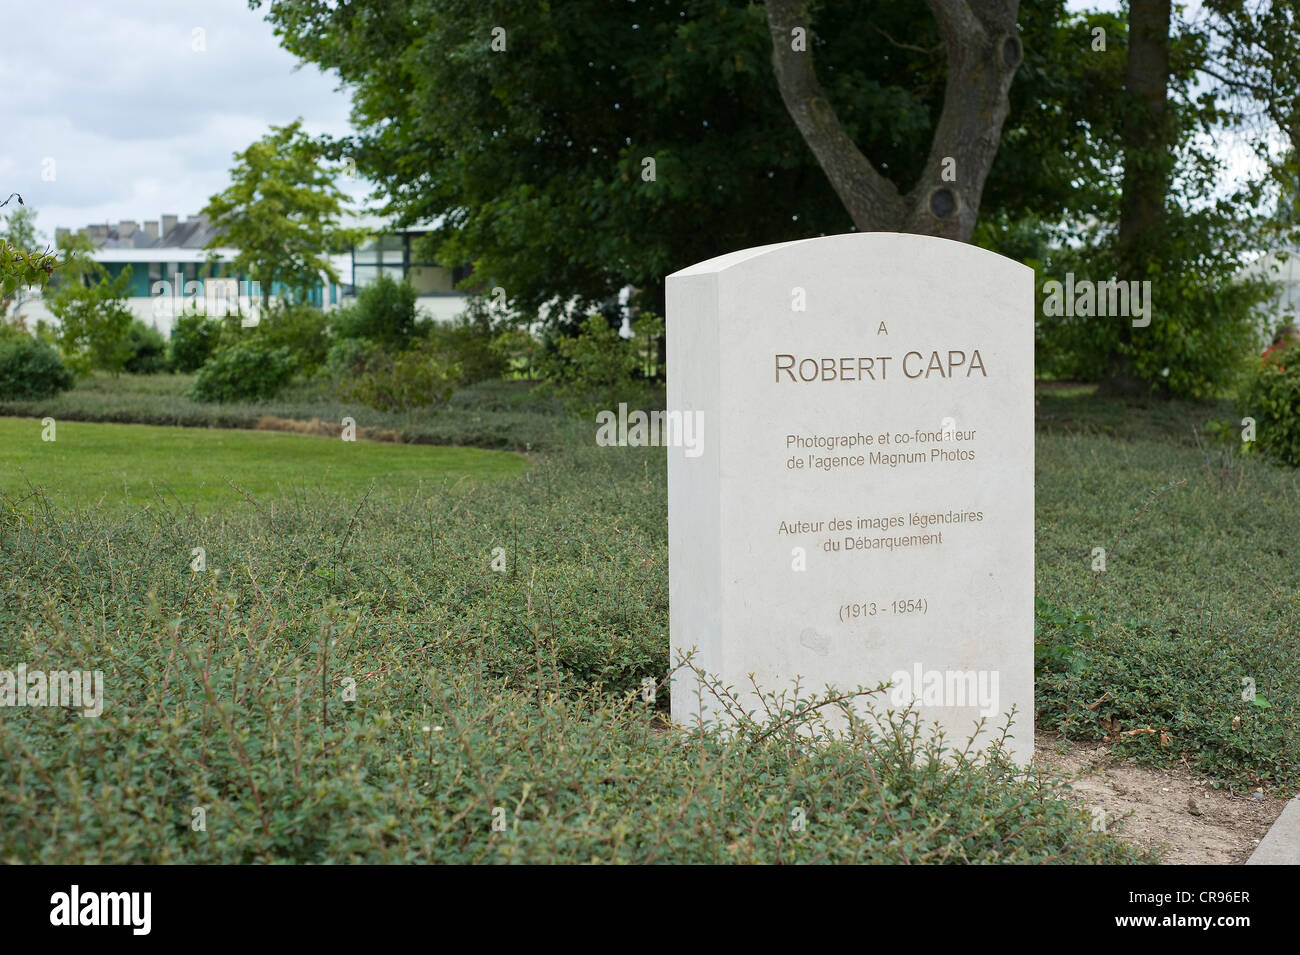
{"x": 1197, "y": 593}
{"x": 491, "y": 414}
{"x": 477, "y": 689}
{"x": 361, "y": 686}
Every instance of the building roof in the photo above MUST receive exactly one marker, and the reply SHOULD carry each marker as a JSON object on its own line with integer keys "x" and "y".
{"x": 171, "y": 233}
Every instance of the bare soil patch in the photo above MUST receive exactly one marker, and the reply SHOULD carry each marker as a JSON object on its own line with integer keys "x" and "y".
{"x": 1174, "y": 810}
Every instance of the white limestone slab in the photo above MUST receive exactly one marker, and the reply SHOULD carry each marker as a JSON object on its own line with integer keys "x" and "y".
{"x": 919, "y": 351}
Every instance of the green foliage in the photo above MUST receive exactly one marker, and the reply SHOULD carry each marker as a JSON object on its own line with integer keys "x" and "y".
{"x": 597, "y": 368}
{"x": 19, "y": 267}
{"x": 30, "y": 368}
{"x": 13, "y": 329}
{"x": 94, "y": 330}
{"x": 454, "y": 132}
{"x": 347, "y": 358}
{"x": 148, "y": 350}
{"x": 1203, "y": 332}
{"x": 1199, "y": 592}
{"x": 595, "y": 359}
{"x": 490, "y": 414}
{"x": 281, "y": 211}
{"x": 647, "y": 343}
{"x": 520, "y": 350}
{"x": 1060, "y": 145}
{"x": 1271, "y": 395}
{"x": 194, "y": 338}
{"x": 301, "y": 328}
{"x": 418, "y": 377}
{"x": 248, "y": 371}
{"x": 470, "y": 343}
{"x": 1204, "y": 311}
{"x": 1057, "y": 633}
{"x": 384, "y": 312}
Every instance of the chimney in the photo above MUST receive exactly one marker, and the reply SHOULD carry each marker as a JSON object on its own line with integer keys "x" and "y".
{"x": 60, "y": 232}
{"x": 151, "y": 229}
{"x": 168, "y": 225}
{"x": 126, "y": 228}
{"x": 98, "y": 233}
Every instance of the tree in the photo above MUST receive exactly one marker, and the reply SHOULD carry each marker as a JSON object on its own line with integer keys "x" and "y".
{"x": 643, "y": 139}
{"x": 1187, "y": 81}
{"x": 1149, "y": 138}
{"x": 281, "y": 211}
{"x": 983, "y": 49}
{"x": 94, "y": 321}
{"x": 1148, "y": 145}
{"x": 569, "y": 150}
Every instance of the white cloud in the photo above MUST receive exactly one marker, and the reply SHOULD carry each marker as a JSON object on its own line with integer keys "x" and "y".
{"x": 136, "y": 120}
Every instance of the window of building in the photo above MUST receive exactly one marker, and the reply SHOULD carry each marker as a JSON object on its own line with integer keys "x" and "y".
{"x": 384, "y": 255}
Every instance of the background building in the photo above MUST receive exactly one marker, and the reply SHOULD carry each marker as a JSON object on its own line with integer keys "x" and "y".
{"x": 175, "y": 250}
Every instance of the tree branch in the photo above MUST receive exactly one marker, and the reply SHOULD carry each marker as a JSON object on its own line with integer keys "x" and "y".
{"x": 983, "y": 51}
{"x": 872, "y": 201}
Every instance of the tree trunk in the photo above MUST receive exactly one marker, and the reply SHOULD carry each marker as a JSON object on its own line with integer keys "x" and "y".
{"x": 983, "y": 49}
{"x": 1148, "y": 161}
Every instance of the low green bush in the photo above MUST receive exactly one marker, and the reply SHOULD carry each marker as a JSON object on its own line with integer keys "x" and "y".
{"x": 596, "y": 359}
{"x": 194, "y": 338}
{"x": 347, "y": 357}
{"x": 490, "y": 414}
{"x": 419, "y": 377}
{"x": 302, "y": 329}
{"x": 598, "y": 369}
{"x": 148, "y": 350}
{"x": 470, "y": 343}
{"x": 13, "y": 328}
{"x": 1271, "y": 395}
{"x": 520, "y": 350}
{"x": 384, "y": 312}
{"x": 244, "y": 372}
{"x": 30, "y": 369}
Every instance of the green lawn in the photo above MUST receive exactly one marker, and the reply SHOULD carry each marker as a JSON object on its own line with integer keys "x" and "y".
{"x": 124, "y": 465}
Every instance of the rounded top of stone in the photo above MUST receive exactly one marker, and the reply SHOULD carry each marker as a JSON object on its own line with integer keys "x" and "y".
{"x": 923, "y": 246}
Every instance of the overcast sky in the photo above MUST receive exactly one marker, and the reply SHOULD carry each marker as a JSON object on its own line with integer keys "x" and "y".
{"x": 117, "y": 109}
{"x": 138, "y": 116}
